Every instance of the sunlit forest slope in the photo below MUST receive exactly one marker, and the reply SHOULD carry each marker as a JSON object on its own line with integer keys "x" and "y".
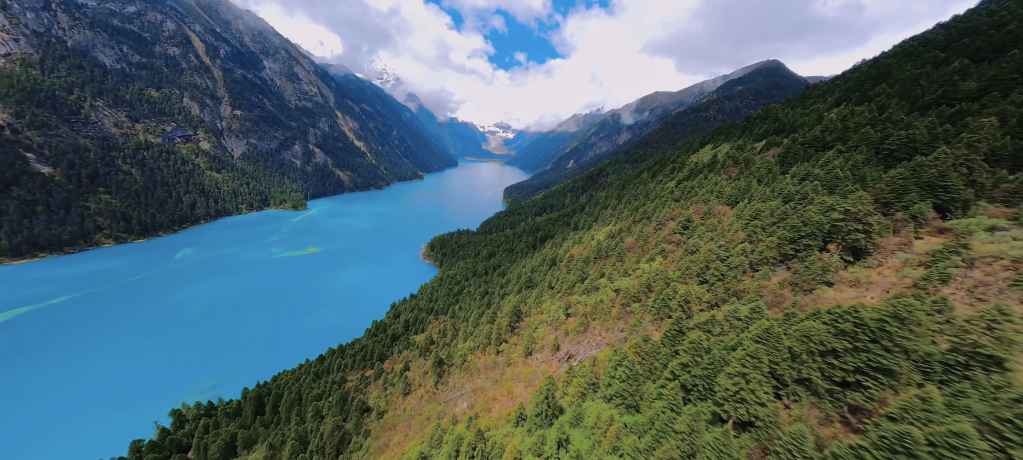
{"x": 836, "y": 277}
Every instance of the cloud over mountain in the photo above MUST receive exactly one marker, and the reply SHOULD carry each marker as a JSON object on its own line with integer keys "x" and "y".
{"x": 607, "y": 52}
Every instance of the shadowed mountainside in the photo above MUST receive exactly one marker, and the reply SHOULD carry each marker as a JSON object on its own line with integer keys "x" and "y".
{"x": 90, "y": 91}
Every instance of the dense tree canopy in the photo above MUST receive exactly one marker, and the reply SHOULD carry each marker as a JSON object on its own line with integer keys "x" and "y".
{"x": 683, "y": 259}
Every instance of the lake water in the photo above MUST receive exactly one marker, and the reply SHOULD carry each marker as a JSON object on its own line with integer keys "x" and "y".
{"x": 96, "y": 346}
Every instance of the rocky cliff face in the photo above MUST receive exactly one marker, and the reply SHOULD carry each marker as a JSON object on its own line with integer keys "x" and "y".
{"x": 237, "y": 74}
{"x": 115, "y": 75}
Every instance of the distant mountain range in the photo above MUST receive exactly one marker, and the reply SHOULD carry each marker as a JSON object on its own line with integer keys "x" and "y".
{"x": 835, "y": 276}
{"x": 218, "y": 114}
{"x": 465, "y": 139}
{"x": 626, "y": 123}
{"x": 460, "y": 138}
{"x": 535, "y": 150}
{"x": 537, "y": 154}
{"x": 584, "y": 141}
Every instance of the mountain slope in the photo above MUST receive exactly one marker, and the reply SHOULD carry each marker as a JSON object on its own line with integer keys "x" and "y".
{"x": 768, "y": 84}
{"x": 765, "y": 83}
{"x": 521, "y": 140}
{"x": 411, "y": 122}
{"x": 620, "y": 126}
{"x": 125, "y": 120}
{"x": 783, "y": 287}
{"x": 545, "y": 147}
{"x": 465, "y": 139}
{"x": 461, "y": 138}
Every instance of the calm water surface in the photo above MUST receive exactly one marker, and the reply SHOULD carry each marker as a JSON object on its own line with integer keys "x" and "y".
{"x": 96, "y": 346}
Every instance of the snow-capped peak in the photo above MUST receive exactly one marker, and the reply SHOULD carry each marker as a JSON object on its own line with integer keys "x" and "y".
{"x": 502, "y": 129}
{"x": 382, "y": 75}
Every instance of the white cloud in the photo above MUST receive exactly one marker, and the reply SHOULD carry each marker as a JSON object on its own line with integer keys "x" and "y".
{"x": 525, "y": 11}
{"x": 611, "y": 57}
{"x": 721, "y": 35}
{"x": 304, "y": 32}
{"x": 896, "y": 20}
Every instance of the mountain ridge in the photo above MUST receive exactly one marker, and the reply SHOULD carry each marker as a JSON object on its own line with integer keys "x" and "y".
{"x": 547, "y": 146}
{"x": 562, "y": 137}
{"x": 259, "y": 125}
{"x": 605, "y": 134}
{"x": 829, "y": 278}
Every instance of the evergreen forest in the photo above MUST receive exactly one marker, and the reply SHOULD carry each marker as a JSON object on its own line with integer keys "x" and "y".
{"x": 837, "y": 276}
{"x": 85, "y": 154}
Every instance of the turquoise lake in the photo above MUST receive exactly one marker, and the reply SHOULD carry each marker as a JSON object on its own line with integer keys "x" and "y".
{"x": 96, "y": 346}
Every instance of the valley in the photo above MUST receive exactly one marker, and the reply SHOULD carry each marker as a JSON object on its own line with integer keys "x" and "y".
{"x": 204, "y": 312}
{"x": 761, "y": 265}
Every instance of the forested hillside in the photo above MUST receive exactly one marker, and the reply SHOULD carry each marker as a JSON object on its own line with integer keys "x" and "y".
{"x": 835, "y": 277}
{"x": 123, "y": 120}
{"x": 761, "y": 87}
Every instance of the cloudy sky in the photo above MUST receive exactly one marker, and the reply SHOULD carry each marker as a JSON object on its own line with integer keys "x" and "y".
{"x": 539, "y": 61}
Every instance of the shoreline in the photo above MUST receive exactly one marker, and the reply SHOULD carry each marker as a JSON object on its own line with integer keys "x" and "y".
{"x": 38, "y": 257}
{"x": 488, "y": 160}
{"x": 214, "y": 262}
{"x": 6, "y": 262}
{"x": 422, "y": 256}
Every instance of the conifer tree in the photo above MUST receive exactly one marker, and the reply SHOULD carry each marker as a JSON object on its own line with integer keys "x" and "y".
{"x": 545, "y": 408}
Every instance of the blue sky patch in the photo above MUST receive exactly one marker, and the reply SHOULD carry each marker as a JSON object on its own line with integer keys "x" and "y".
{"x": 520, "y": 38}
{"x": 455, "y": 15}
{"x": 562, "y": 7}
{"x": 530, "y": 40}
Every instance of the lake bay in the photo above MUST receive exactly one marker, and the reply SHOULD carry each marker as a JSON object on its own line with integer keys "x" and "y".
{"x": 96, "y": 346}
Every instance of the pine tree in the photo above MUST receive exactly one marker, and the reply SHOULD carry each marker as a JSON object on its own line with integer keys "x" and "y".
{"x": 856, "y": 225}
{"x": 545, "y": 408}
{"x": 795, "y": 443}
{"x": 622, "y": 382}
{"x": 743, "y": 393}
